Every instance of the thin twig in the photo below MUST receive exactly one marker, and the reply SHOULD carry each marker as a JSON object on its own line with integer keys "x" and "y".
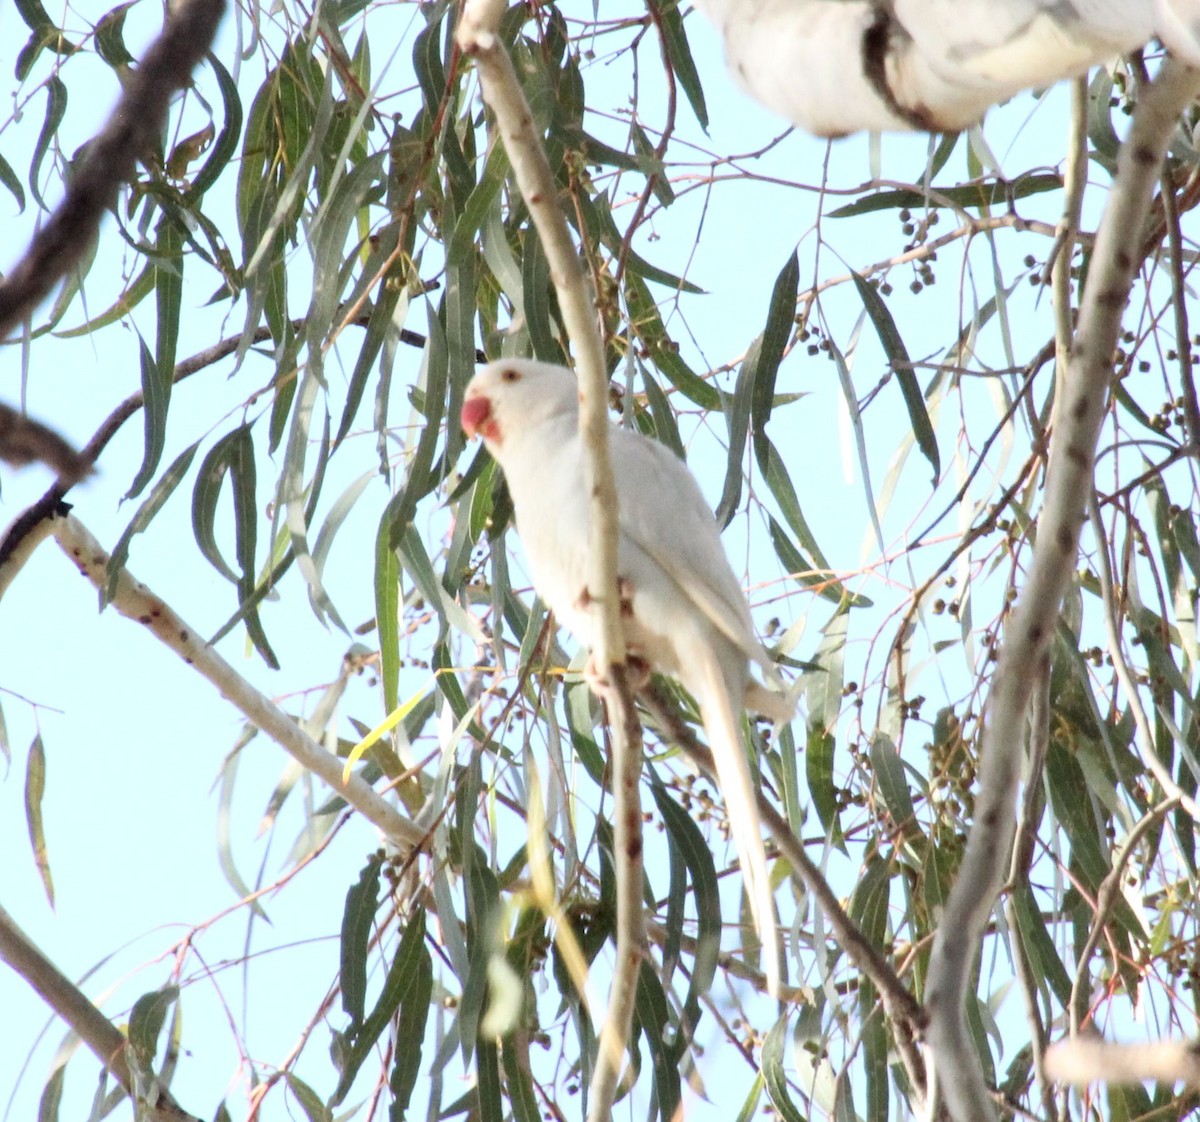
{"x": 1106, "y": 897}
{"x": 1085, "y": 390}
{"x": 1022, "y": 861}
{"x": 1179, "y": 297}
{"x": 1141, "y": 723}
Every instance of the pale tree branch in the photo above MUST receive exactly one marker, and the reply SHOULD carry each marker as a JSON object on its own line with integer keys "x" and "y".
{"x": 631, "y": 921}
{"x": 130, "y": 134}
{"x": 106, "y": 1041}
{"x": 1083, "y": 1060}
{"x": 1085, "y": 391}
{"x": 136, "y": 602}
{"x": 1022, "y": 860}
{"x": 1074, "y": 182}
{"x": 477, "y": 37}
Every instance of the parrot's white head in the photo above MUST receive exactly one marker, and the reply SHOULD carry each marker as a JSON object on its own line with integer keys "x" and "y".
{"x": 516, "y": 394}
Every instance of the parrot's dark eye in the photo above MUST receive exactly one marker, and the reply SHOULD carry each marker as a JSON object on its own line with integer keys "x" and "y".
{"x": 510, "y": 376}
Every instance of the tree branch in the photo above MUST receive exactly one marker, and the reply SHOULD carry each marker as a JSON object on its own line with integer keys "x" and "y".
{"x": 136, "y": 602}
{"x": 1081, "y": 1060}
{"x": 477, "y": 37}
{"x": 1085, "y": 390}
{"x": 631, "y": 921}
{"x": 129, "y": 135}
{"x": 105, "y": 1040}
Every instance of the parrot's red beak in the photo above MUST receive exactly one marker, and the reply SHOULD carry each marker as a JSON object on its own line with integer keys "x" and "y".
{"x": 476, "y": 417}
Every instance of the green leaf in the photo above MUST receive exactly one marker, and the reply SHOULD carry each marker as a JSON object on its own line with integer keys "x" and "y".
{"x": 146, "y": 1023}
{"x": 33, "y": 13}
{"x": 774, "y": 1076}
{"x": 135, "y": 292}
{"x": 679, "y": 56}
{"x": 691, "y": 846}
{"x": 993, "y": 193}
{"x": 387, "y": 612}
{"x": 781, "y": 313}
{"x": 110, "y": 37}
{"x": 600, "y": 225}
{"x": 1044, "y": 959}
{"x": 522, "y": 1099}
{"x": 646, "y": 322}
{"x": 51, "y": 1100}
{"x": 379, "y": 324}
{"x": 775, "y": 472}
{"x": 35, "y": 790}
{"x": 479, "y": 204}
{"x": 153, "y": 503}
{"x": 233, "y": 456}
{"x": 594, "y": 151}
{"x": 357, "y": 918}
{"x": 56, "y": 107}
{"x": 226, "y": 143}
{"x": 328, "y": 234}
{"x": 897, "y": 354}
{"x": 9, "y": 178}
{"x": 410, "y": 1032}
{"x": 889, "y": 772}
{"x": 737, "y": 418}
{"x": 538, "y": 293}
{"x": 869, "y": 909}
{"x": 823, "y": 694}
{"x": 420, "y": 479}
{"x": 488, "y": 1091}
{"x": 652, "y": 1016}
{"x": 310, "y": 1102}
{"x": 403, "y": 982}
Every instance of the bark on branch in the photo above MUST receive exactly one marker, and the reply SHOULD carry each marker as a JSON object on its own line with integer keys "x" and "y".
{"x": 129, "y": 135}
{"x": 1085, "y": 385}
{"x": 136, "y": 602}
{"x": 106, "y": 1041}
{"x": 478, "y": 38}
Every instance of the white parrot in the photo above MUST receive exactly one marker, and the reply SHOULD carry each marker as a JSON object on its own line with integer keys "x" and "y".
{"x": 837, "y": 66}
{"x": 684, "y": 612}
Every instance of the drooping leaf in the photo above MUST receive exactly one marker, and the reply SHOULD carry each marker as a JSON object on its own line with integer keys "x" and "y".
{"x": 56, "y": 108}
{"x": 357, "y": 918}
{"x": 402, "y": 983}
{"x": 897, "y": 353}
{"x": 976, "y": 195}
{"x": 35, "y": 791}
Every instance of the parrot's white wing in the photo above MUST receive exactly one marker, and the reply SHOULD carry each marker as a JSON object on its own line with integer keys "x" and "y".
{"x": 663, "y": 511}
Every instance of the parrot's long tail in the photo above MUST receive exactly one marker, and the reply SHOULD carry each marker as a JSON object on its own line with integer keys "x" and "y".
{"x": 733, "y": 772}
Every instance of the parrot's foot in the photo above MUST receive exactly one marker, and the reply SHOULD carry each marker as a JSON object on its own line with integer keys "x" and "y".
{"x": 624, "y": 592}
{"x": 637, "y": 671}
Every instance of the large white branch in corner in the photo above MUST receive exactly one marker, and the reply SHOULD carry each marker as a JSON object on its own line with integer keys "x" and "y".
{"x": 1083, "y": 394}
{"x": 837, "y": 66}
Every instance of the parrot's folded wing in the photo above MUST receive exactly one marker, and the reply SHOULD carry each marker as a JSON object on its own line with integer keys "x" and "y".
{"x": 663, "y": 511}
